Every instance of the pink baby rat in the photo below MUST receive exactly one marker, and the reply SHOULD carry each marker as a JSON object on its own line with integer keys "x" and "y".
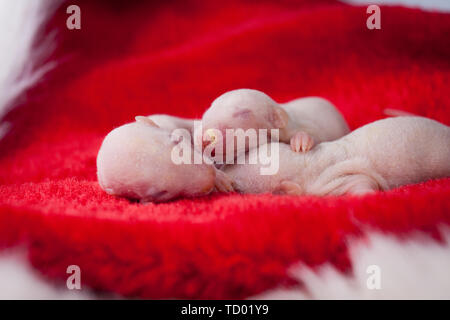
{"x": 135, "y": 161}
{"x": 381, "y": 155}
{"x": 301, "y": 122}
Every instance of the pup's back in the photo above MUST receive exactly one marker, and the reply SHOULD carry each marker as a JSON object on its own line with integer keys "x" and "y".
{"x": 404, "y": 149}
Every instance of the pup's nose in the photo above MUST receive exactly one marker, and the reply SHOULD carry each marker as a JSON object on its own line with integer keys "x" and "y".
{"x": 205, "y": 143}
{"x": 201, "y": 142}
{"x": 198, "y": 140}
{"x": 208, "y": 137}
{"x": 212, "y": 150}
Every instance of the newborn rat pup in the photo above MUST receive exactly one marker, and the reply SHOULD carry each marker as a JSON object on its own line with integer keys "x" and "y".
{"x": 135, "y": 161}
{"x": 381, "y": 155}
{"x": 301, "y": 122}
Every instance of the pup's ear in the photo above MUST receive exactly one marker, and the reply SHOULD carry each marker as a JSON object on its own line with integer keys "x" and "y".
{"x": 279, "y": 117}
{"x": 146, "y": 121}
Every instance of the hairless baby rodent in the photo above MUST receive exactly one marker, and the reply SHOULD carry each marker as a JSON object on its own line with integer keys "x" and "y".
{"x": 135, "y": 161}
{"x": 301, "y": 122}
{"x": 382, "y": 155}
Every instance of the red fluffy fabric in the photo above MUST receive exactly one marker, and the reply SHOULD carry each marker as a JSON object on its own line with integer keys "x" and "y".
{"x": 175, "y": 57}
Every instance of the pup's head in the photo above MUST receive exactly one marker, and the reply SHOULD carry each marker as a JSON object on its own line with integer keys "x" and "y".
{"x": 240, "y": 109}
{"x": 135, "y": 161}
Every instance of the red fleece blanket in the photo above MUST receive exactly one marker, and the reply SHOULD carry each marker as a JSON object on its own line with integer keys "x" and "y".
{"x": 137, "y": 58}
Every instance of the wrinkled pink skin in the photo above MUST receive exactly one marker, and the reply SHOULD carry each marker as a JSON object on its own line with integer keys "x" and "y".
{"x": 135, "y": 162}
{"x": 302, "y": 122}
{"x": 382, "y": 155}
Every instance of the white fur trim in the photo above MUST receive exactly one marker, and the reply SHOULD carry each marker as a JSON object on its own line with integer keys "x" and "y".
{"x": 418, "y": 268}
{"x": 19, "y": 23}
{"x": 18, "y": 280}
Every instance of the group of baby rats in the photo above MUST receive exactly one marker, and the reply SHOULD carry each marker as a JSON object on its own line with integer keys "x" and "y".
{"x": 318, "y": 155}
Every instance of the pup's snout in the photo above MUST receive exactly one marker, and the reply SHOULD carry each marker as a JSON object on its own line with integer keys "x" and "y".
{"x": 210, "y": 136}
{"x": 202, "y": 141}
{"x": 205, "y": 143}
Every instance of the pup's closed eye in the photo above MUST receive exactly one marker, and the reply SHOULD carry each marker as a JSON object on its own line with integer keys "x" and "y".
{"x": 242, "y": 113}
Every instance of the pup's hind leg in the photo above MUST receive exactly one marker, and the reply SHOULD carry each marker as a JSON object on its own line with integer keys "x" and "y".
{"x": 357, "y": 184}
{"x": 289, "y": 188}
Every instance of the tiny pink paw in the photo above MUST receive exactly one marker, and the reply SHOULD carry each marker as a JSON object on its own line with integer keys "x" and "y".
{"x": 301, "y": 142}
{"x": 223, "y": 182}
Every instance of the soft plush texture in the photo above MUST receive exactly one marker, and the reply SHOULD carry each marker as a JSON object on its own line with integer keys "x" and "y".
{"x": 134, "y": 58}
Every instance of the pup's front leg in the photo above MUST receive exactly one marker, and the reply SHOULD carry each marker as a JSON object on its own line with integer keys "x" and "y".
{"x": 301, "y": 141}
